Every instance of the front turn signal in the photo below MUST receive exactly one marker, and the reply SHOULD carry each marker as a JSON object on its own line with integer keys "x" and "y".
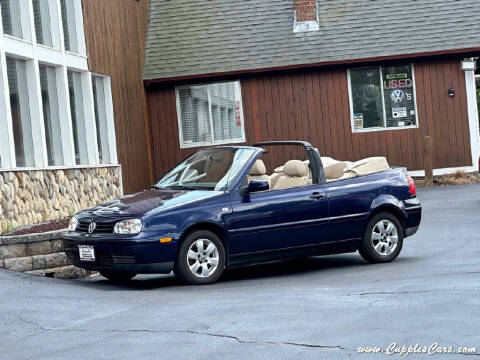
{"x": 165, "y": 240}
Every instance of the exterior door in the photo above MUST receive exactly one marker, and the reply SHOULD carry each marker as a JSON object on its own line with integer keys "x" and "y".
{"x": 278, "y": 219}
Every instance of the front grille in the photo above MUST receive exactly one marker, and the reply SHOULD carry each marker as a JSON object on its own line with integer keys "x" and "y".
{"x": 123, "y": 259}
{"x": 101, "y": 258}
{"x": 102, "y": 228}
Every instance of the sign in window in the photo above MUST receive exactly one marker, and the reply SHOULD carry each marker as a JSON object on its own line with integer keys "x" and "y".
{"x": 382, "y": 97}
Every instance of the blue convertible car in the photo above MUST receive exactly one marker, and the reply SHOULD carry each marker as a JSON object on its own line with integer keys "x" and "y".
{"x": 220, "y": 208}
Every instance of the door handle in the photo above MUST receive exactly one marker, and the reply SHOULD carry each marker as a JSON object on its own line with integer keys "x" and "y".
{"x": 318, "y": 195}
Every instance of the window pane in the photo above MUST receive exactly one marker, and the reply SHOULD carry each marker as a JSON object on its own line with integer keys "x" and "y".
{"x": 22, "y": 130}
{"x": 367, "y": 98}
{"x": 194, "y": 111}
{"x": 101, "y": 119}
{"x": 11, "y": 17}
{"x": 41, "y": 15}
{"x": 78, "y": 118}
{"x": 68, "y": 24}
{"x": 399, "y": 96}
{"x": 223, "y": 111}
{"x": 210, "y": 114}
{"x": 51, "y": 116}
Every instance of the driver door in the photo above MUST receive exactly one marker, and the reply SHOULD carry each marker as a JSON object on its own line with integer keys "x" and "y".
{"x": 278, "y": 219}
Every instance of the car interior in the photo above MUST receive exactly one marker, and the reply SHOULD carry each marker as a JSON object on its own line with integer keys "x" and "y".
{"x": 296, "y": 173}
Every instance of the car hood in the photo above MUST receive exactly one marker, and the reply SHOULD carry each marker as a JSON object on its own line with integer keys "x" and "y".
{"x": 139, "y": 204}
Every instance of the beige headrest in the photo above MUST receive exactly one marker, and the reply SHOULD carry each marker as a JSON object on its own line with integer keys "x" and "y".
{"x": 334, "y": 169}
{"x": 295, "y": 168}
{"x": 278, "y": 169}
{"x": 327, "y": 160}
{"x": 258, "y": 168}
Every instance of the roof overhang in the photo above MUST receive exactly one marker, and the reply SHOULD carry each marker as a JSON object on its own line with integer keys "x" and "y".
{"x": 466, "y": 52}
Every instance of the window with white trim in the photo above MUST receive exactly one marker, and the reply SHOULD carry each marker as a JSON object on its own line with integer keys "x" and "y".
{"x": 51, "y": 117}
{"x": 382, "y": 98}
{"x": 78, "y": 117}
{"x": 11, "y": 19}
{"x": 19, "y": 106}
{"x": 52, "y": 112}
{"x": 41, "y": 17}
{"x": 68, "y": 23}
{"x": 101, "y": 118}
{"x": 210, "y": 114}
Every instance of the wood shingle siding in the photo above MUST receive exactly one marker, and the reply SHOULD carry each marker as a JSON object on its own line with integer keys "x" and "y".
{"x": 314, "y": 106}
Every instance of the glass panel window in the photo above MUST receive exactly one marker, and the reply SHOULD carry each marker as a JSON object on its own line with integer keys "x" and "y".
{"x": 51, "y": 116}
{"x": 210, "y": 114}
{"x": 41, "y": 15}
{"x": 367, "y": 98}
{"x": 399, "y": 96}
{"x": 101, "y": 119}
{"x": 78, "y": 117}
{"x": 11, "y": 17}
{"x": 68, "y": 24}
{"x": 383, "y": 97}
{"x": 20, "y": 108}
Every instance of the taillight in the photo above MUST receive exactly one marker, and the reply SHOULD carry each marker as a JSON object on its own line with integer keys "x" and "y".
{"x": 411, "y": 185}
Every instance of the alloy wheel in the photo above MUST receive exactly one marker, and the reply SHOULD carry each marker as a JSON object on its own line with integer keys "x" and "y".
{"x": 203, "y": 258}
{"x": 384, "y": 237}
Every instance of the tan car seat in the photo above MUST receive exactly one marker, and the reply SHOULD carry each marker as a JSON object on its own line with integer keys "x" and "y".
{"x": 275, "y": 176}
{"x": 295, "y": 173}
{"x": 334, "y": 169}
{"x": 366, "y": 166}
{"x": 258, "y": 172}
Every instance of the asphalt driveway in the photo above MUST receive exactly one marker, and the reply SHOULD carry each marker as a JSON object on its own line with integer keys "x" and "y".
{"x": 320, "y": 308}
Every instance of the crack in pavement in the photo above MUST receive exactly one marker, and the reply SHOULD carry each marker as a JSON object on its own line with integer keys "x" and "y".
{"x": 403, "y": 292}
{"x": 232, "y": 337}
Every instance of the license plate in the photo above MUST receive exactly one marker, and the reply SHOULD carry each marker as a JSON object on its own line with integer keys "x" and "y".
{"x": 86, "y": 252}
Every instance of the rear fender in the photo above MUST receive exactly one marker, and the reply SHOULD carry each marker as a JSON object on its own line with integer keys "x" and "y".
{"x": 388, "y": 203}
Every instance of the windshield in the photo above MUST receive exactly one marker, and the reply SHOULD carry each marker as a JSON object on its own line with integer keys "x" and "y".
{"x": 209, "y": 169}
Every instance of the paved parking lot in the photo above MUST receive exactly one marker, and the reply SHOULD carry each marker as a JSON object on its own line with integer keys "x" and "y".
{"x": 320, "y": 308}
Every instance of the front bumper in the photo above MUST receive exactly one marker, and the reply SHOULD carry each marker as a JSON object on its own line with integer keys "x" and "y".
{"x": 140, "y": 257}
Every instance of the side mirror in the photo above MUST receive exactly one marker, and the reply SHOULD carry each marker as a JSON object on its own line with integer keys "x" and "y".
{"x": 258, "y": 185}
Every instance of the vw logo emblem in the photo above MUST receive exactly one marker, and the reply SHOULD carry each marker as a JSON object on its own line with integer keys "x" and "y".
{"x": 398, "y": 96}
{"x": 92, "y": 227}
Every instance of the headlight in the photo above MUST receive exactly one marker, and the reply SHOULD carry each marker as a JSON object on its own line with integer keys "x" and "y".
{"x": 72, "y": 226}
{"x": 132, "y": 226}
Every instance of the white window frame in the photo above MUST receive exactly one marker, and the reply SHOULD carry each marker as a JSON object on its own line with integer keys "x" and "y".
{"x": 33, "y": 53}
{"x": 183, "y": 145}
{"x": 384, "y": 128}
{"x": 107, "y": 109}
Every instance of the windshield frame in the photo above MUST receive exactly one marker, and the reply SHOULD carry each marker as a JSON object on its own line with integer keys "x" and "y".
{"x": 230, "y": 182}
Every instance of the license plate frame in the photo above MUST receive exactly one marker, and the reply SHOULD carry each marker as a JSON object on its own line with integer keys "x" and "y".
{"x": 86, "y": 253}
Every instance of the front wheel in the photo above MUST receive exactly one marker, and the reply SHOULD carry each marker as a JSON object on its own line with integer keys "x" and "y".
{"x": 201, "y": 258}
{"x": 117, "y": 277}
{"x": 383, "y": 239}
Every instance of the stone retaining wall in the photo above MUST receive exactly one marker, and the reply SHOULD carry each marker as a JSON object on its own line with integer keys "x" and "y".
{"x": 29, "y": 197}
{"x": 37, "y": 254}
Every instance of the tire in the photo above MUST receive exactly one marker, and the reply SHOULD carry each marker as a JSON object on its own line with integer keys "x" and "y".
{"x": 200, "y": 259}
{"x": 117, "y": 277}
{"x": 378, "y": 245}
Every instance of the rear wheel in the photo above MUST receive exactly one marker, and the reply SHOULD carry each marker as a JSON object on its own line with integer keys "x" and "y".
{"x": 201, "y": 258}
{"x": 117, "y": 277}
{"x": 383, "y": 239}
